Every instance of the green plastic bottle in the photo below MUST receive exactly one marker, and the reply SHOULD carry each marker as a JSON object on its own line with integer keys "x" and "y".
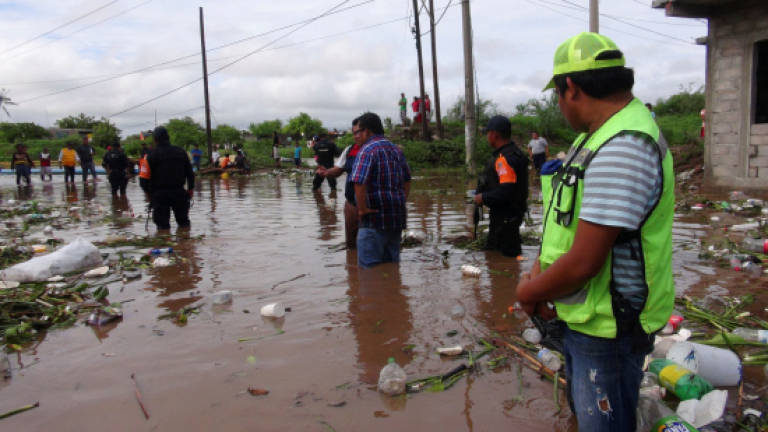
{"x": 653, "y": 416}
{"x": 679, "y": 380}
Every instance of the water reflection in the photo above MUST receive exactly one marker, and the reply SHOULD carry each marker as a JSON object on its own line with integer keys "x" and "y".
{"x": 326, "y": 211}
{"x": 379, "y": 316}
{"x": 183, "y": 275}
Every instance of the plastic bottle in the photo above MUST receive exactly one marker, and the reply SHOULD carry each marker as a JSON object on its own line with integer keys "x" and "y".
{"x": 470, "y": 270}
{"x": 392, "y": 379}
{"x": 672, "y": 325}
{"x": 653, "y": 415}
{"x": 549, "y": 359}
{"x": 679, "y": 380}
{"x": 756, "y": 245}
{"x": 532, "y": 335}
{"x": 649, "y": 387}
{"x": 751, "y": 335}
{"x": 735, "y": 263}
{"x": 161, "y": 251}
{"x": 751, "y": 268}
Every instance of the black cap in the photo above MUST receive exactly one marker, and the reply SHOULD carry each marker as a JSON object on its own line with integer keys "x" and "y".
{"x": 499, "y": 124}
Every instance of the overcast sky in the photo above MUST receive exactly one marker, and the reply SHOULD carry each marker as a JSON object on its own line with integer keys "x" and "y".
{"x": 333, "y": 68}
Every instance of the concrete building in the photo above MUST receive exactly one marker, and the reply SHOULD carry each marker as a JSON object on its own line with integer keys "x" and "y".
{"x": 736, "y": 136}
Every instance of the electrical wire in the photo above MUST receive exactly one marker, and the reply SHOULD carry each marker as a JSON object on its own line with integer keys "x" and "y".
{"x": 621, "y": 20}
{"x": 82, "y": 29}
{"x": 307, "y": 22}
{"x": 444, "y": 11}
{"x": 59, "y": 27}
{"x": 441, "y": 17}
{"x": 174, "y": 60}
{"x": 582, "y": 19}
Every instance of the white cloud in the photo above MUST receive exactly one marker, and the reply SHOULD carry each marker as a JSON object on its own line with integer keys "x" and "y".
{"x": 333, "y": 79}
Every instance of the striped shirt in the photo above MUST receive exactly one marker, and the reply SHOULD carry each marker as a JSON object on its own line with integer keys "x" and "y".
{"x": 622, "y": 185}
{"x": 381, "y": 166}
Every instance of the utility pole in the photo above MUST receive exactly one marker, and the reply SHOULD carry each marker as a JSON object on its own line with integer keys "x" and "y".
{"x": 417, "y": 35}
{"x": 469, "y": 88}
{"x": 594, "y": 16}
{"x": 205, "y": 91}
{"x": 438, "y": 121}
{"x": 155, "y": 117}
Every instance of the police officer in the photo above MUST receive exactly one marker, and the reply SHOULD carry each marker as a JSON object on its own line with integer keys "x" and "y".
{"x": 116, "y": 163}
{"x": 170, "y": 168}
{"x": 503, "y": 187}
{"x": 325, "y": 151}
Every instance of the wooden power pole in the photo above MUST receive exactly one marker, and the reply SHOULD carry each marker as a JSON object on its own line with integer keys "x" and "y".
{"x": 205, "y": 92}
{"x": 594, "y": 16}
{"x": 417, "y": 35}
{"x": 438, "y": 120}
{"x": 469, "y": 88}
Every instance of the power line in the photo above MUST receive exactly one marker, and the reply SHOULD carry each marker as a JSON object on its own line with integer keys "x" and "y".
{"x": 441, "y": 16}
{"x": 261, "y": 48}
{"x": 156, "y": 65}
{"x": 84, "y": 28}
{"x": 60, "y": 27}
{"x": 308, "y": 41}
{"x": 631, "y": 24}
{"x": 444, "y": 11}
{"x": 582, "y": 19}
{"x": 307, "y": 22}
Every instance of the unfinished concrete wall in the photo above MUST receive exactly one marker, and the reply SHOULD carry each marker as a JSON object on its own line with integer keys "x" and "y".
{"x": 737, "y": 150}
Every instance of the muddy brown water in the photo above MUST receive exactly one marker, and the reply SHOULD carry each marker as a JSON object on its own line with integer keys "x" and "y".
{"x": 269, "y": 238}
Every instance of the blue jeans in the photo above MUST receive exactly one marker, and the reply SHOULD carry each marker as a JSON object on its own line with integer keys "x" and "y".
{"x": 377, "y": 246}
{"x": 603, "y": 379}
{"x": 88, "y": 166}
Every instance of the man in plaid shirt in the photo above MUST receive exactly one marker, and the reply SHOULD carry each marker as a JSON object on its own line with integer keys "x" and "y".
{"x": 382, "y": 181}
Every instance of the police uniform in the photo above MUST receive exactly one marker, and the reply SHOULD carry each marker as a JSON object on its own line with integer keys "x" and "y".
{"x": 504, "y": 187}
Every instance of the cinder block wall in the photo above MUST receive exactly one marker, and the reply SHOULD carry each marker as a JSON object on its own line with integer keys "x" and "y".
{"x": 737, "y": 150}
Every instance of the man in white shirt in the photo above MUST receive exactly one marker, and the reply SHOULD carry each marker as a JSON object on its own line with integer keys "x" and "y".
{"x": 538, "y": 150}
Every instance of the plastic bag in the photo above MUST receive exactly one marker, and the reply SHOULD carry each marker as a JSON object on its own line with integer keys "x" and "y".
{"x": 78, "y": 255}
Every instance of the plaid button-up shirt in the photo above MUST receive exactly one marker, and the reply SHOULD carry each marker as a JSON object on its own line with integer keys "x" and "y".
{"x": 381, "y": 166}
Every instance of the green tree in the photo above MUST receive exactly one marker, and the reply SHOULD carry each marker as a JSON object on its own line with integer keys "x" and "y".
{"x": 226, "y": 134}
{"x": 304, "y": 124}
{"x": 485, "y": 109}
{"x": 687, "y": 101}
{"x": 548, "y": 120}
{"x": 265, "y": 128}
{"x": 105, "y": 133}
{"x": 80, "y": 121}
{"x": 185, "y": 132}
{"x": 13, "y": 132}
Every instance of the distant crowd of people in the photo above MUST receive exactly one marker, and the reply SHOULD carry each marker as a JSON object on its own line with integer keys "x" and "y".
{"x": 416, "y": 106}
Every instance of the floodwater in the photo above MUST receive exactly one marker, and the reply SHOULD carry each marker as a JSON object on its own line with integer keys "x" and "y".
{"x": 269, "y": 238}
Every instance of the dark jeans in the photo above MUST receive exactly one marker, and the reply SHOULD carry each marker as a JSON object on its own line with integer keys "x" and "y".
{"x": 22, "y": 171}
{"x": 318, "y": 181}
{"x": 538, "y": 160}
{"x": 603, "y": 380}
{"x": 504, "y": 235}
{"x": 163, "y": 201}
{"x": 118, "y": 181}
{"x": 88, "y": 166}
{"x": 69, "y": 174}
{"x": 297, "y": 161}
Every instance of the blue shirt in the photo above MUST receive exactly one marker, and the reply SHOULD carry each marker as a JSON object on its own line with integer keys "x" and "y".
{"x": 196, "y": 154}
{"x": 382, "y": 168}
{"x": 297, "y": 152}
